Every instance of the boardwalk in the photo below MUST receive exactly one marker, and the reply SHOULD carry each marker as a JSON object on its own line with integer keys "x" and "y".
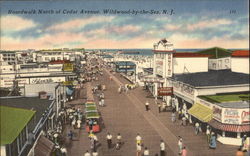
{"x": 125, "y": 114}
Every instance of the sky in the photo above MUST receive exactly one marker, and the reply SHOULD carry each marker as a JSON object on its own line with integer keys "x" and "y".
{"x": 187, "y": 24}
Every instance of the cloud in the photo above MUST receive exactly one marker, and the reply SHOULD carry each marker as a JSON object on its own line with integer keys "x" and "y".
{"x": 79, "y": 23}
{"x": 15, "y": 23}
{"x": 124, "y": 29}
{"x": 59, "y": 40}
{"x": 172, "y": 27}
{"x": 208, "y": 24}
{"x": 185, "y": 41}
{"x": 137, "y": 42}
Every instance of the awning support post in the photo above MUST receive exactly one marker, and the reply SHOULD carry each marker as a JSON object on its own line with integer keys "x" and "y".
{"x": 238, "y": 134}
{"x": 223, "y": 133}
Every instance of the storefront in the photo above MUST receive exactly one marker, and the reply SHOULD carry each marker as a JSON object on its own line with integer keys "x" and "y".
{"x": 229, "y": 120}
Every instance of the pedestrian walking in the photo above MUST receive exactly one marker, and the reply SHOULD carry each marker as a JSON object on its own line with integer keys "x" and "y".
{"x": 197, "y": 128}
{"x": 120, "y": 90}
{"x": 179, "y": 115}
{"x": 138, "y": 139}
{"x": 180, "y": 144}
{"x": 159, "y": 107}
{"x": 79, "y": 124}
{"x": 156, "y": 102}
{"x": 146, "y": 152}
{"x": 126, "y": 89}
{"x": 87, "y": 153}
{"x": 147, "y": 105}
{"x": 245, "y": 145}
{"x": 138, "y": 149}
{"x": 184, "y": 121}
{"x": 102, "y": 95}
{"x": 208, "y": 133}
{"x": 70, "y": 135}
{"x": 63, "y": 151}
{"x": 243, "y": 140}
{"x": 73, "y": 123}
{"x": 92, "y": 144}
{"x": 212, "y": 144}
{"x": 109, "y": 140}
{"x": 102, "y": 101}
{"x": 173, "y": 117}
{"x": 162, "y": 148}
{"x": 119, "y": 141}
{"x": 184, "y": 151}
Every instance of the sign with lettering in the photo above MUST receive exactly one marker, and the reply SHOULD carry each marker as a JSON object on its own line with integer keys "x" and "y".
{"x": 39, "y": 80}
{"x": 245, "y": 116}
{"x": 165, "y": 91}
{"x": 217, "y": 111}
{"x": 46, "y": 80}
{"x": 9, "y": 82}
{"x": 159, "y": 66}
{"x": 169, "y": 65}
{"x": 231, "y": 116}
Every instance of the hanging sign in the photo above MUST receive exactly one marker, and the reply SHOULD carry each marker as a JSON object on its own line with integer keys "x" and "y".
{"x": 165, "y": 91}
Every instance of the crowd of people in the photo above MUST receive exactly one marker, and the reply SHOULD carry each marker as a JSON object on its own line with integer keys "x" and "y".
{"x": 141, "y": 148}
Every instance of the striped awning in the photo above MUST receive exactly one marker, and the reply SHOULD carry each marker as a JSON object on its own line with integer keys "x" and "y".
{"x": 229, "y": 127}
{"x": 201, "y": 112}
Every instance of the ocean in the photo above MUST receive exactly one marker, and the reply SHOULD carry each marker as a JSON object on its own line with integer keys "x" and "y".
{"x": 146, "y": 52}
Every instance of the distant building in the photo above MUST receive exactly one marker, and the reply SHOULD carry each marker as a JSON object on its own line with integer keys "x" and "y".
{"x": 8, "y": 56}
{"x": 219, "y": 59}
{"x": 240, "y": 61}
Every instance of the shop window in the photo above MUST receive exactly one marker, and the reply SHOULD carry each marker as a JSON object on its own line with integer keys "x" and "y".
{"x": 214, "y": 65}
{"x": 231, "y": 134}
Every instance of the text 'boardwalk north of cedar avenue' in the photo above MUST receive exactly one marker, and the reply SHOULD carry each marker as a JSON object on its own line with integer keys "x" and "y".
{"x": 104, "y": 11}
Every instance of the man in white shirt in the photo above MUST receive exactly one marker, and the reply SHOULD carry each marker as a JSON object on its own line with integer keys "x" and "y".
{"x": 138, "y": 139}
{"x": 64, "y": 151}
{"x": 94, "y": 154}
{"x": 119, "y": 139}
{"x": 79, "y": 123}
{"x": 109, "y": 140}
{"x": 146, "y": 152}
{"x": 87, "y": 153}
{"x": 197, "y": 128}
{"x": 147, "y": 105}
{"x": 180, "y": 144}
{"x": 162, "y": 148}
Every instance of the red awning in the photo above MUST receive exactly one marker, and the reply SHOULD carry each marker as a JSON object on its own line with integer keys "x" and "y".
{"x": 229, "y": 127}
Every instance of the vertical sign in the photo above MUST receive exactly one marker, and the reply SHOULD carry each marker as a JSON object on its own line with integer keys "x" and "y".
{"x": 169, "y": 65}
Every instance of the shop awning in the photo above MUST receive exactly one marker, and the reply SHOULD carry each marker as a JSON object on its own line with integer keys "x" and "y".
{"x": 201, "y": 112}
{"x": 43, "y": 147}
{"x": 229, "y": 127}
{"x": 91, "y": 109}
{"x": 92, "y": 115}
